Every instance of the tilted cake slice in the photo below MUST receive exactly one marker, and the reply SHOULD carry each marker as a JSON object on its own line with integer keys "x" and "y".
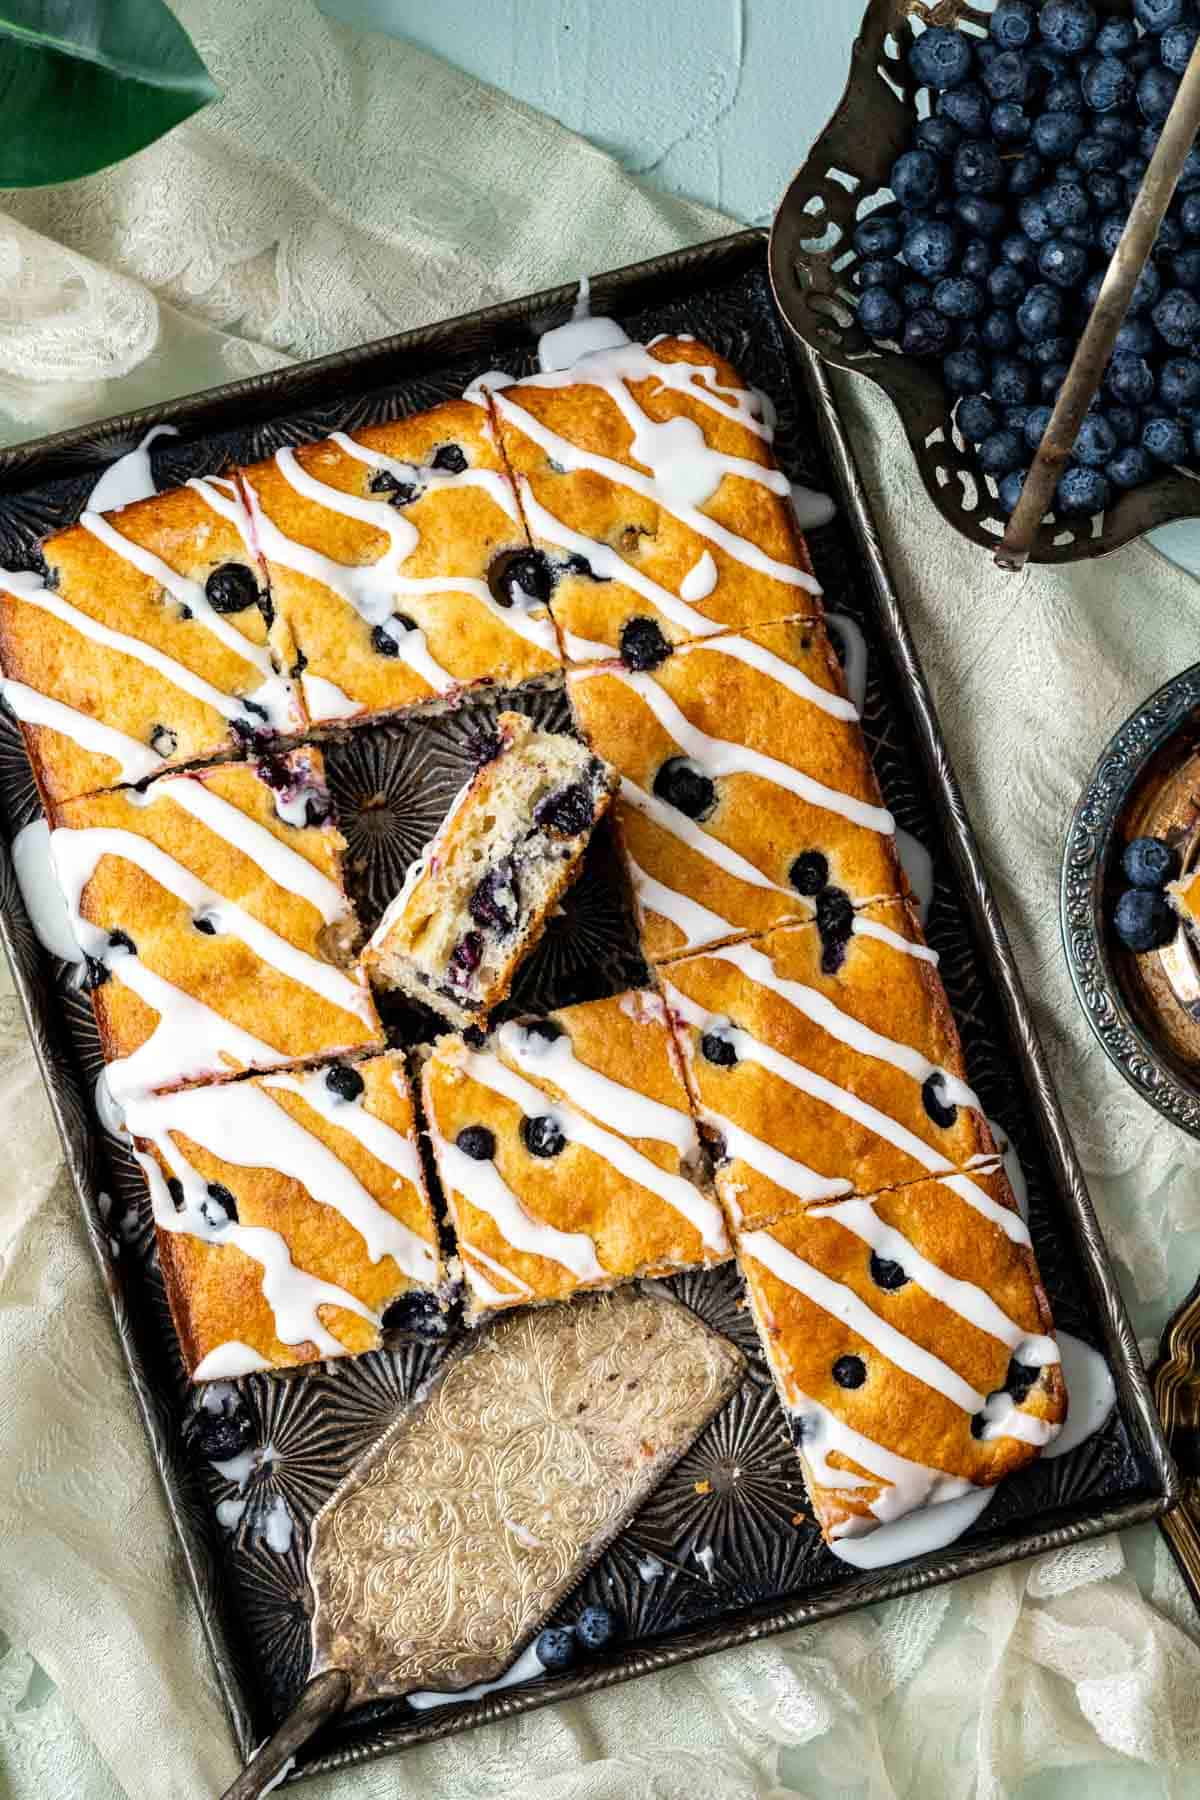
{"x": 825, "y": 1064}
{"x": 568, "y": 1156}
{"x": 910, "y": 1341}
{"x": 217, "y": 931}
{"x": 398, "y": 562}
{"x": 747, "y": 793}
{"x": 647, "y": 481}
{"x": 147, "y": 644}
{"x": 292, "y": 1218}
{"x": 476, "y": 901}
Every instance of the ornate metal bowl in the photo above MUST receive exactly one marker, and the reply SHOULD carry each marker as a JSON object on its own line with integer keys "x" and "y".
{"x": 813, "y": 259}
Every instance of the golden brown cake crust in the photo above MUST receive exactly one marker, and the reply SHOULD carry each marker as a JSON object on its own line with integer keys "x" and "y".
{"x": 647, "y": 536}
{"x": 822, "y": 1125}
{"x": 215, "y": 1291}
{"x": 461, "y": 530}
{"x": 218, "y": 968}
{"x": 873, "y": 1392}
{"x": 576, "y": 1190}
{"x": 734, "y": 691}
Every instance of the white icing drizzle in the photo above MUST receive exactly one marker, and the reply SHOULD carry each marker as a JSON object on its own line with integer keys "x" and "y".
{"x": 757, "y": 656}
{"x": 624, "y": 362}
{"x": 526, "y": 1668}
{"x": 703, "y": 1214}
{"x": 110, "y": 1115}
{"x": 40, "y": 890}
{"x": 854, "y": 645}
{"x": 493, "y": 1295}
{"x": 698, "y": 924}
{"x": 189, "y": 1038}
{"x": 1012, "y": 1167}
{"x": 875, "y": 928}
{"x": 906, "y": 1486}
{"x": 785, "y": 1171}
{"x": 917, "y": 864}
{"x": 720, "y": 756}
{"x": 916, "y": 1534}
{"x": 130, "y": 478}
{"x": 325, "y": 700}
{"x": 240, "y": 1124}
{"x": 581, "y": 336}
{"x": 810, "y": 507}
{"x": 285, "y": 866}
{"x": 700, "y": 579}
{"x": 229, "y": 1361}
{"x": 597, "y": 1093}
{"x": 385, "y": 1143}
{"x": 482, "y": 1184}
{"x": 493, "y": 483}
{"x": 77, "y": 852}
{"x": 135, "y": 761}
{"x": 1092, "y": 1391}
{"x": 669, "y": 818}
{"x": 757, "y": 967}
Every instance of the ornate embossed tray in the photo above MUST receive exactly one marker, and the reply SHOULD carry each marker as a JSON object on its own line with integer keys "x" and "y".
{"x": 723, "y": 1551}
{"x": 812, "y": 261}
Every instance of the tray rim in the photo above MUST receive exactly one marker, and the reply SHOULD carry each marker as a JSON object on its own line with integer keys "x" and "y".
{"x": 382, "y": 363}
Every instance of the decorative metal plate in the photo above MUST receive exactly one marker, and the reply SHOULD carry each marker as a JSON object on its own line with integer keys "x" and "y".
{"x": 725, "y": 1550}
{"x": 812, "y": 260}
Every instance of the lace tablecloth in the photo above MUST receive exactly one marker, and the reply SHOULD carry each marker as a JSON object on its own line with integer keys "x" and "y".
{"x": 328, "y": 199}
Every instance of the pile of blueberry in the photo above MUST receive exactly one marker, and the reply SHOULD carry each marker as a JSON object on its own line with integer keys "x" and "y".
{"x": 1008, "y": 207}
{"x": 558, "y": 1646}
{"x": 1143, "y": 917}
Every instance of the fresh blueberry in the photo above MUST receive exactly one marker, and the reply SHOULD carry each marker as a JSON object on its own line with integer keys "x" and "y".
{"x": 929, "y": 248}
{"x": 809, "y": 872}
{"x": 958, "y": 298}
{"x": 1143, "y": 919}
{"x": 943, "y": 1112}
{"x": 1035, "y": 426}
{"x": 1177, "y": 319}
{"x": 976, "y": 260}
{"x": 1130, "y": 467}
{"x": 1170, "y": 235}
{"x": 1146, "y": 288}
{"x": 399, "y": 493}
{"x": 1005, "y": 286}
{"x": 1014, "y": 24}
{"x": 1189, "y": 215}
{"x": 570, "y": 810}
{"x": 877, "y": 235}
{"x": 965, "y": 372}
{"x": 939, "y": 135}
{"x": 849, "y": 1371}
{"x": 980, "y": 216}
{"x": 1124, "y": 422}
{"x": 998, "y": 331}
{"x": 1019, "y": 252}
{"x": 543, "y": 1135}
{"x": 719, "y": 1049}
{"x": 1116, "y": 37}
{"x": 1001, "y": 453}
{"x": 555, "y": 1649}
{"x": 940, "y": 58}
{"x": 596, "y": 1628}
{"x": 384, "y": 642}
{"x": 1062, "y": 263}
{"x": 643, "y": 645}
{"x": 416, "y": 1312}
{"x": 1007, "y": 76}
{"x": 1156, "y": 92}
{"x": 887, "y": 1274}
{"x": 916, "y": 178}
{"x": 1096, "y": 155}
{"x": 926, "y": 333}
{"x": 1081, "y": 491}
{"x": 1189, "y": 175}
{"x": 878, "y": 272}
{"x": 1010, "y": 490}
{"x": 1090, "y": 291}
{"x": 1016, "y": 418}
{"x": 682, "y": 785}
{"x": 1106, "y": 193}
{"x": 1135, "y": 338}
{"x": 1149, "y": 863}
{"x": 1012, "y": 382}
{"x": 1025, "y": 173}
{"x": 915, "y": 295}
{"x": 450, "y": 459}
{"x": 1130, "y": 378}
{"x": 1096, "y": 442}
{"x": 1055, "y": 134}
{"x": 1010, "y": 125}
{"x": 1185, "y": 269}
{"x": 1107, "y": 84}
{"x": 521, "y": 577}
{"x": 344, "y": 1080}
{"x": 1157, "y": 15}
{"x": 1121, "y": 130}
{"x": 222, "y": 1434}
{"x": 1179, "y": 382}
{"x": 968, "y": 107}
{"x": 1067, "y": 203}
{"x": 1178, "y": 42}
{"x": 477, "y": 1142}
{"x": 1068, "y": 26}
{"x": 1052, "y": 378}
{"x": 1164, "y": 440}
{"x": 1035, "y": 220}
{"x": 1049, "y": 65}
{"x": 496, "y": 901}
{"x": 1108, "y": 234}
{"x": 1040, "y": 313}
{"x": 231, "y": 588}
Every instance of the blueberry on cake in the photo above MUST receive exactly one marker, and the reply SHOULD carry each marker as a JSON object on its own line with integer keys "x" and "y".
{"x": 398, "y": 564}
{"x": 477, "y": 899}
{"x": 291, "y": 1213}
{"x": 910, "y": 1342}
{"x": 824, "y": 1061}
{"x": 568, "y": 1155}
{"x": 747, "y": 794}
{"x": 217, "y": 932}
{"x": 646, "y": 479}
{"x": 148, "y": 642}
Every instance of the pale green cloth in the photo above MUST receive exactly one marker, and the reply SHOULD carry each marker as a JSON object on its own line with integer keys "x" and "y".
{"x": 349, "y": 187}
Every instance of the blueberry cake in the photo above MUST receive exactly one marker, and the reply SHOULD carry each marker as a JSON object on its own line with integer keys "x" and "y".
{"x": 217, "y": 933}
{"x": 291, "y": 1213}
{"x": 398, "y": 566}
{"x": 144, "y": 643}
{"x": 647, "y": 483}
{"x": 568, "y": 1154}
{"x": 477, "y": 899}
{"x": 910, "y": 1342}
{"x": 824, "y": 1061}
{"x": 747, "y": 794}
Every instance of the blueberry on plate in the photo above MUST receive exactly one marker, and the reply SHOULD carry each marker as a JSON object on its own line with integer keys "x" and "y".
{"x": 980, "y": 215}
{"x": 1164, "y": 440}
{"x": 929, "y": 247}
{"x": 1081, "y": 491}
{"x": 958, "y": 298}
{"x": 1012, "y": 382}
{"x": 880, "y": 313}
{"x": 1156, "y": 92}
{"x": 596, "y": 1627}
{"x": 1001, "y": 453}
{"x": 1066, "y": 202}
{"x": 1148, "y": 862}
{"x": 940, "y": 58}
{"x": 1010, "y": 125}
{"x": 926, "y": 332}
{"x": 1010, "y": 490}
{"x": 1096, "y": 443}
{"x": 878, "y": 271}
{"x": 555, "y": 1648}
{"x": 223, "y": 1433}
{"x": 976, "y": 418}
{"x": 916, "y": 178}
{"x": 1068, "y": 26}
{"x": 965, "y": 372}
{"x": 1007, "y": 76}
{"x": 968, "y": 107}
{"x": 1107, "y": 84}
{"x": 1130, "y": 378}
{"x": 1063, "y": 263}
{"x": 877, "y": 236}
{"x": 1014, "y": 24}
{"x": 1143, "y": 919}
{"x": 1055, "y": 134}
{"x": 937, "y": 134}
{"x": 1040, "y": 313}
{"x": 1034, "y": 219}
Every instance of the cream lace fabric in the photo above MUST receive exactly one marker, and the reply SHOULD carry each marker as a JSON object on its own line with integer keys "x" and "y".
{"x": 343, "y": 189}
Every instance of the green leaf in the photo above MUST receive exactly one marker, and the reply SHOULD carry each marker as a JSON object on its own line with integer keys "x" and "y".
{"x": 84, "y": 83}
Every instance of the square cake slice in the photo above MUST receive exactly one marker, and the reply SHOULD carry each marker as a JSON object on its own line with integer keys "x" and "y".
{"x": 291, "y": 1212}
{"x": 568, "y": 1156}
{"x": 218, "y": 934}
{"x": 476, "y": 901}
{"x": 825, "y": 1065}
{"x": 747, "y": 793}
{"x": 910, "y": 1341}
{"x": 647, "y": 481}
{"x": 147, "y": 645}
{"x": 399, "y": 563}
